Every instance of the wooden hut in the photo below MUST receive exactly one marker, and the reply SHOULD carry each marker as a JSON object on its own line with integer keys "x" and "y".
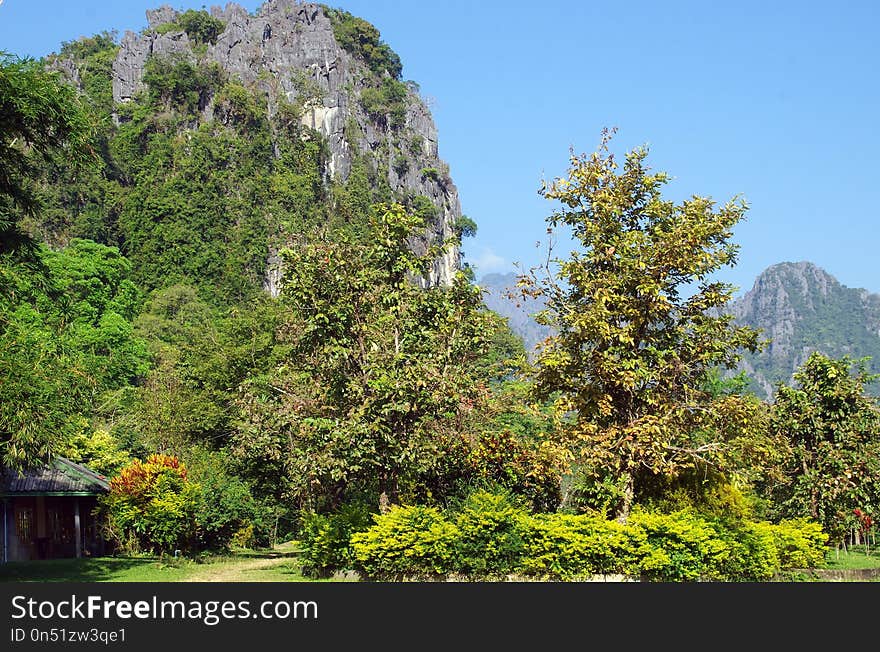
{"x": 48, "y": 511}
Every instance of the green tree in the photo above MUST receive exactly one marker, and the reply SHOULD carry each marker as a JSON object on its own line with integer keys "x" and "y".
{"x": 99, "y": 450}
{"x": 380, "y": 374}
{"x": 362, "y": 39}
{"x": 831, "y": 427}
{"x": 226, "y": 508}
{"x": 66, "y": 350}
{"x": 201, "y": 355}
{"x": 200, "y": 26}
{"x": 39, "y": 116}
{"x": 632, "y": 345}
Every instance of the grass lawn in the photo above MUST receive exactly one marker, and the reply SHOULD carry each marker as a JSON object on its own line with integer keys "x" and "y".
{"x": 98, "y": 569}
{"x": 855, "y": 565}
{"x": 277, "y": 565}
{"x": 854, "y": 558}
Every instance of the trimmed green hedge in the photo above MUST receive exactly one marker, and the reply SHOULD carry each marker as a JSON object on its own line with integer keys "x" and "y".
{"x": 488, "y": 536}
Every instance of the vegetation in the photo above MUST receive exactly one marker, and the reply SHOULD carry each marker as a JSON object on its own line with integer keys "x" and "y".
{"x": 379, "y": 374}
{"x": 390, "y": 428}
{"x": 200, "y": 26}
{"x": 151, "y": 506}
{"x": 829, "y": 429}
{"x": 630, "y": 350}
{"x": 386, "y": 102}
{"x": 489, "y": 536}
{"x": 362, "y": 40}
{"x": 48, "y": 328}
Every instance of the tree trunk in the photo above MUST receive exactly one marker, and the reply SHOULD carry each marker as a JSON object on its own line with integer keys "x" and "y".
{"x": 384, "y": 505}
{"x": 389, "y": 491}
{"x": 626, "y": 500}
{"x": 814, "y": 492}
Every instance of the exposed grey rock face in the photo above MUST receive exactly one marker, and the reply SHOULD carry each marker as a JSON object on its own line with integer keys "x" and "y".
{"x": 67, "y": 68}
{"x": 801, "y": 309}
{"x": 161, "y": 16}
{"x": 286, "y": 48}
{"x": 128, "y": 68}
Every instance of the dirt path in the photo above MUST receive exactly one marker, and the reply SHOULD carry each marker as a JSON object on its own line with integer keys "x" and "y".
{"x": 240, "y": 570}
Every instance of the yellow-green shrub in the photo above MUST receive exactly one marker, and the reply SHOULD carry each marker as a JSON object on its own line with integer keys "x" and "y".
{"x": 407, "y": 542}
{"x": 686, "y": 547}
{"x": 751, "y": 553}
{"x": 798, "y": 543}
{"x": 326, "y": 539}
{"x": 489, "y": 536}
{"x": 489, "y": 533}
{"x": 567, "y": 546}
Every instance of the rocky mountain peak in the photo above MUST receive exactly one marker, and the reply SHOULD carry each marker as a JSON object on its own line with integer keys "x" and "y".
{"x": 801, "y": 308}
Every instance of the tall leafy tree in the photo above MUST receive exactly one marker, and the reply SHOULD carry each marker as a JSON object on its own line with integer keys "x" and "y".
{"x": 381, "y": 371}
{"x": 832, "y": 466}
{"x": 638, "y": 320}
{"x": 62, "y": 350}
{"x": 39, "y": 117}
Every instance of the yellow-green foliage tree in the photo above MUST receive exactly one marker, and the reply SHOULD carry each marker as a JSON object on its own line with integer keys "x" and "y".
{"x": 638, "y": 320}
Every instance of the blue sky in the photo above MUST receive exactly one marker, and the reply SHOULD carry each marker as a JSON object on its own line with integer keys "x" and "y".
{"x": 776, "y": 101}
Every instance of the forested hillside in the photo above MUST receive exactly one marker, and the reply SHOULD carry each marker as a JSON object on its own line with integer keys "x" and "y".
{"x": 217, "y": 149}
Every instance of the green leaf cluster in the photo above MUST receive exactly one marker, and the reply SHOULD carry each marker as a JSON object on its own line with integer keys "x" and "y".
{"x": 226, "y": 505}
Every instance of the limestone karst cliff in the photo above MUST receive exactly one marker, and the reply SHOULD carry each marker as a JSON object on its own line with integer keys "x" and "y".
{"x": 346, "y": 86}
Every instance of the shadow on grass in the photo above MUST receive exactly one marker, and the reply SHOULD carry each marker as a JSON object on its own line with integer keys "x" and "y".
{"x": 263, "y": 554}
{"x": 141, "y": 569}
{"x": 95, "y": 569}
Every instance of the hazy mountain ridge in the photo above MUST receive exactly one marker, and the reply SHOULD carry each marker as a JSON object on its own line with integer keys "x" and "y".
{"x": 519, "y": 314}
